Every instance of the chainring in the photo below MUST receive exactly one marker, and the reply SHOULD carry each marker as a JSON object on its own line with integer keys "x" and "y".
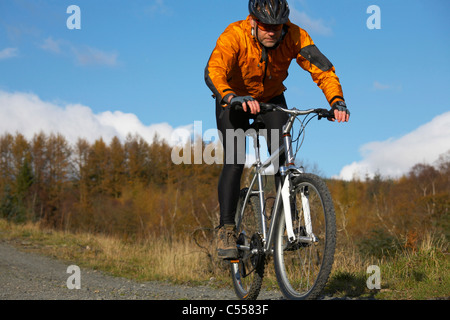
{"x": 255, "y": 258}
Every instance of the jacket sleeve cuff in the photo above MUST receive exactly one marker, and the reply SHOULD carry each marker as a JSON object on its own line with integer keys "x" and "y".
{"x": 224, "y": 101}
{"x": 336, "y": 99}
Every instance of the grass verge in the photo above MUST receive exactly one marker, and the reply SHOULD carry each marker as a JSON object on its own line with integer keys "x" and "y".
{"x": 419, "y": 274}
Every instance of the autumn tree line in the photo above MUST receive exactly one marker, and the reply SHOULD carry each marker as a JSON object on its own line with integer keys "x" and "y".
{"x": 383, "y": 216}
{"x": 133, "y": 189}
{"x": 129, "y": 188}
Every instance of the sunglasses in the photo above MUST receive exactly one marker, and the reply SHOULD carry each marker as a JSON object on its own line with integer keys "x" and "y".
{"x": 269, "y": 27}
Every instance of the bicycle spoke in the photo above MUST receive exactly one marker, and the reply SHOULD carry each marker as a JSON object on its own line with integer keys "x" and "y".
{"x": 247, "y": 274}
{"x": 303, "y": 266}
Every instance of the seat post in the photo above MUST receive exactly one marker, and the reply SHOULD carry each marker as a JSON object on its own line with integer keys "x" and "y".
{"x": 255, "y": 135}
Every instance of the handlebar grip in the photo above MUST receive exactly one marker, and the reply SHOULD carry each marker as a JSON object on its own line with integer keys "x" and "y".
{"x": 264, "y": 107}
{"x": 236, "y": 106}
{"x": 268, "y": 107}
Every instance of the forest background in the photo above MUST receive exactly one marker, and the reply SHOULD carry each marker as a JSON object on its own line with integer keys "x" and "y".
{"x": 133, "y": 192}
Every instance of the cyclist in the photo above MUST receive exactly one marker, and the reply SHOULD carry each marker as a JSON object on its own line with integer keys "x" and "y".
{"x": 248, "y": 66}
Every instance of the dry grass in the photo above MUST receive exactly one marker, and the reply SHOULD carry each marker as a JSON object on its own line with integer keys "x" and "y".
{"x": 412, "y": 274}
{"x": 419, "y": 273}
{"x": 177, "y": 260}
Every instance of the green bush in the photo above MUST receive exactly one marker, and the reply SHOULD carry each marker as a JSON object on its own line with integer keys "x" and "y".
{"x": 379, "y": 244}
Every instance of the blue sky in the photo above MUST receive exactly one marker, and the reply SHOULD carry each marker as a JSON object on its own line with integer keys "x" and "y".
{"x": 137, "y": 66}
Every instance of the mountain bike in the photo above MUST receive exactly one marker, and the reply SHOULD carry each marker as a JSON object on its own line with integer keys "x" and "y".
{"x": 299, "y": 231}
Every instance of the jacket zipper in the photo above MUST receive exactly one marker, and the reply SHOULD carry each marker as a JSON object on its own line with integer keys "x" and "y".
{"x": 265, "y": 59}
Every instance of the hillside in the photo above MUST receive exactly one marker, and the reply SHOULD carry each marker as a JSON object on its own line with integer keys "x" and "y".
{"x": 133, "y": 192}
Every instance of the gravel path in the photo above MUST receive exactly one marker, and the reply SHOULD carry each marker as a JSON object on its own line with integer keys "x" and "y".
{"x": 30, "y": 276}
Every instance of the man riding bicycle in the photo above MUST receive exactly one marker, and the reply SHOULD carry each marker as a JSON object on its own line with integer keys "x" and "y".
{"x": 248, "y": 66}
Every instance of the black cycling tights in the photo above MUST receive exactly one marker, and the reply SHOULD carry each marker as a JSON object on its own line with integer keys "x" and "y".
{"x": 229, "y": 182}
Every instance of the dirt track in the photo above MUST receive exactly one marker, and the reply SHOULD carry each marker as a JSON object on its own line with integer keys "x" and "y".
{"x": 30, "y": 276}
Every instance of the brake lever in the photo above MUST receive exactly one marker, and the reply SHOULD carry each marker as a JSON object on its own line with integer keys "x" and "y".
{"x": 324, "y": 113}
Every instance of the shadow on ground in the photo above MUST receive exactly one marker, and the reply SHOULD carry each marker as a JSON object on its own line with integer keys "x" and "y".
{"x": 348, "y": 285}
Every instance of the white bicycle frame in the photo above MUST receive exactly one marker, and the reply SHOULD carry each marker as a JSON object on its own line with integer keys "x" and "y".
{"x": 282, "y": 197}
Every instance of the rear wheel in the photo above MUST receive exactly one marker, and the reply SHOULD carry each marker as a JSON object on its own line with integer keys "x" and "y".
{"x": 247, "y": 272}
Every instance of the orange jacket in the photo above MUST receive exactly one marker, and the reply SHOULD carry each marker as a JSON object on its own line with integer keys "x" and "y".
{"x": 238, "y": 65}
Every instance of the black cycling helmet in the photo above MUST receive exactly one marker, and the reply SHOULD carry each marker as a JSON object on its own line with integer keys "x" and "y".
{"x": 269, "y": 11}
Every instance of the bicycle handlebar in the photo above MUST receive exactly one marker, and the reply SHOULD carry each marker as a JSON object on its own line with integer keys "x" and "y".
{"x": 269, "y": 107}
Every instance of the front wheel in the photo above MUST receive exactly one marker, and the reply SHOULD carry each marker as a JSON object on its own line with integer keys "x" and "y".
{"x": 302, "y": 267}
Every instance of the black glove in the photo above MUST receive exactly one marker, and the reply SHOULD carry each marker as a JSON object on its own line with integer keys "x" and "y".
{"x": 340, "y": 106}
{"x": 239, "y": 100}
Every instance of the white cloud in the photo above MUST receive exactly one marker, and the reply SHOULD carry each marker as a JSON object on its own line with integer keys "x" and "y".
{"x": 28, "y": 114}
{"x": 311, "y": 25}
{"x": 92, "y": 56}
{"x": 51, "y": 45}
{"x": 378, "y": 86}
{"x": 158, "y": 7}
{"x": 394, "y": 157}
{"x": 8, "y": 53}
{"x": 82, "y": 55}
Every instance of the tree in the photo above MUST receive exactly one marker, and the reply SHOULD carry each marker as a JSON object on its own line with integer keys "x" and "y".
{"x": 57, "y": 176}
{"x": 137, "y": 149}
{"x": 80, "y": 175}
{"x": 39, "y": 191}
{"x": 97, "y": 166}
{"x": 116, "y": 176}
{"x": 6, "y": 159}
